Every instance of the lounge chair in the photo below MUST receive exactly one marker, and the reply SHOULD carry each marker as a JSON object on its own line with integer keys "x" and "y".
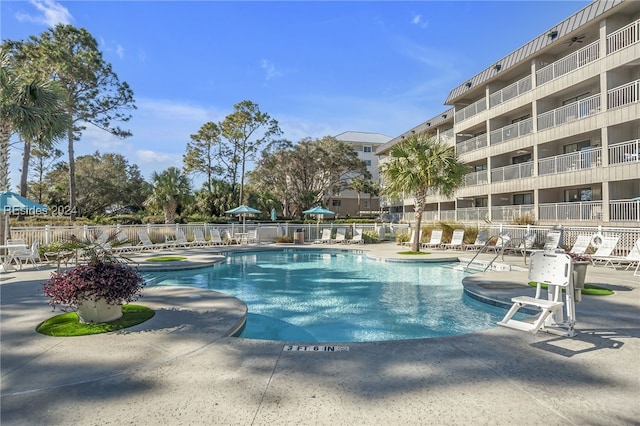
{"x": 146, "y": 242}
{"x": 27, "y": 255}
{"x": 341, "y": 235}
{"x": 457, "y": 240}
{"x": 199, "y": 239}
{"x": 324, "y": 238}
{"x": 181, "y": 240}
{"x": 631, "y": 259}
{"x": 581, "y": 245}
{"x": 553, "y": 270}
{"x": 357, "y": 237}
{"x": 480, "y": 242}
{"x": 411, "y": 238}
{"x": 435, "y": 241}
{"x": 216, "y": 238}
{"x": 252, "y": 236}
{"x": 604, "y": 250}
{"x": 502, "y": 243}
{"x": 525, "y": 246}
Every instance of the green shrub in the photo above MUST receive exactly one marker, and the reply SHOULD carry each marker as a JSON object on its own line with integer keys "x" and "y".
{"x": 402, "y": 238}
{"x": 284, "y": 239}
{"x": 370, "y": 237}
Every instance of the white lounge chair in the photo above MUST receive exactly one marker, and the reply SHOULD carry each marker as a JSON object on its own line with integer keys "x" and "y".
{"x": 525, "y": 246}
{"x": 252, "y": 236}
{"x": 480, "y": 242}
{"x": 502, "y": 242}
{"x": 412, "y": 237}
{"x": 631, "y": 259}
{"x": 146, "y": 242}
{"x": 604, "y": 250}
{"x": 435, "y": 241}
{"x": 324, "y": 238}
{"x": 553, "y": 270}
{"x": 216, "y": 238}
{"x": 27, "y": 255}
{"x": 581, "y": 245}
{"x": 357, "y": 237}
{"x": 199, "y": 238}
{"x": 341, "y": 235}
{"x": 181, "y": 240}
{"x": 457, "y": 240}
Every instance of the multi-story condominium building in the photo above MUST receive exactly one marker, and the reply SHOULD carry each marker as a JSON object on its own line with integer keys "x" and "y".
{"x": 366, "y": 146}
{"x": 552, "y": 130}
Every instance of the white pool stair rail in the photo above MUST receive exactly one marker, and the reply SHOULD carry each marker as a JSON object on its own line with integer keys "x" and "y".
{"x": 557, "y": 316}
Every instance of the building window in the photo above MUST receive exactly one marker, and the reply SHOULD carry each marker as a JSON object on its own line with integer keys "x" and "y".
{"x": 367, "y": 149}
{"x": 524, "y": 117}
{"x": 479, "y": 167}
{"x": 578, "y": 194}
{"x": 522, "y": 199}
{"x": 368, "y": 163}
{"x": 575, "y": 99}
{"x": 481, "y": 202}
{"x": 575, "y": 147}
{"x": 521, "y": 159}
{"x": 335, "y": 203}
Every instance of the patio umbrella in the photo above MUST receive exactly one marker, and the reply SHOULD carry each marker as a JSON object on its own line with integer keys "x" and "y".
{"x": 12, "y": 203}
{"x": 243, "y": 210}
{"x": 318, "y": 211}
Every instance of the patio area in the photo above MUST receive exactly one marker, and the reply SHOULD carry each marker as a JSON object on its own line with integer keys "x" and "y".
{"x": 179, "y": 368}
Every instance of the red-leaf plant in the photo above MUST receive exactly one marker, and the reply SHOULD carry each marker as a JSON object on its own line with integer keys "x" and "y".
{"x": 103, "y": 277}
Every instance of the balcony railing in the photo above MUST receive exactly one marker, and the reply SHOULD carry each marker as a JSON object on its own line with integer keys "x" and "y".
{"x": 574, "y": 111}
{"x": 569, "y": 63}
{"x": 624, "y": 211}
{"x": 509, "y": 213}
{"x": 577, "y": 211}
{"x": 570, "y": 162}
{"x": 510, "y": 92}
{"x": 472, "y": 144}
{"x": 447, "y": 135}
{"x": 471, "y": 110}
{"x": 625, "y": 36}
{"x": 512, "y": 131}
{"x": 515, "y": 171}
{"x": 624, "y": 152}
{"x": 623, "y": 95}
{"x": 476, "y": 178}
{"x": 473, "y": 214}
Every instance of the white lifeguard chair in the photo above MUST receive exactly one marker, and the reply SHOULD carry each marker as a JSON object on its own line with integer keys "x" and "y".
{"x": 557, "y": 316}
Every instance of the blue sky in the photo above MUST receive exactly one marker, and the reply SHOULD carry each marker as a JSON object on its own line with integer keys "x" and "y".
{"x": 319, "y": 68}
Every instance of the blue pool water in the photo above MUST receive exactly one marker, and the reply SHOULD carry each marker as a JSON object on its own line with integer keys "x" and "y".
{"x": 322, "y": 296}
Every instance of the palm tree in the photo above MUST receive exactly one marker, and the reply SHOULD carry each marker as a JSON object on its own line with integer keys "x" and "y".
{"x": 418, "y": 164}
{"x": 29, "y": 108}
{"x": 359, "y": 184}
{"x": 170, "y": 189}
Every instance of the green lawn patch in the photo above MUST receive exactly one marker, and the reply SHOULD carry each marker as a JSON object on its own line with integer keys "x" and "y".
{"x": 413, "y": 253}
{"x": 68, "y": 324}
{"x": 165, "y": 258}
{"x": 588, "y": 290}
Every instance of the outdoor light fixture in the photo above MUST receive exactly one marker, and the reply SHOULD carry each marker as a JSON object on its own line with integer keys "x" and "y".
{"x": 497, "y": 67}
{"x": 468, "y": 84}
{"x": 444, "y": 115}
{"x": 413, "y": 131}
{"x": 428, "y": 124}
{"x": 553, "y": 34}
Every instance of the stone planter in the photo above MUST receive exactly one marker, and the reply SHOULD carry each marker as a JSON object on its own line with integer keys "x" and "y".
{"x": 96, "y": 311}
{"x": 579, "y": 276}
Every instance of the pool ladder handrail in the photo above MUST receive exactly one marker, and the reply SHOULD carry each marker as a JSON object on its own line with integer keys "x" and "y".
{"x": 482, "y": 249}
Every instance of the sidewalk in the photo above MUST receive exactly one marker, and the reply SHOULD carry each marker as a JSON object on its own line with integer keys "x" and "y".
{"x": 179, "y": 369}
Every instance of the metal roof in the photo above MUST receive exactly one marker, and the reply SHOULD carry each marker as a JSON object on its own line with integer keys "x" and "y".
{"x": 431, "y": 124}
{"x": 572, "y": 23}
{"x": 363, "y": 137}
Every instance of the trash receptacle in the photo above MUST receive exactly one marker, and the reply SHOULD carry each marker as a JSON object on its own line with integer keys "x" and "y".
{"x": 298, "y": 236}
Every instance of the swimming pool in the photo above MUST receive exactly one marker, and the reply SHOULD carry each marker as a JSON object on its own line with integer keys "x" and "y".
{"x": 339, "y": 296}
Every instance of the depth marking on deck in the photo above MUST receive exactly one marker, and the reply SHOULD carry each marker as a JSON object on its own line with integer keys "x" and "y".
{"x": 315, "y": 348}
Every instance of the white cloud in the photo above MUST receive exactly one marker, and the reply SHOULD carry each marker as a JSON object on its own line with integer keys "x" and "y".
{"x": 270, "y": 69}
{"x": 417, "y": 20}
{"x": 51, "y": 13}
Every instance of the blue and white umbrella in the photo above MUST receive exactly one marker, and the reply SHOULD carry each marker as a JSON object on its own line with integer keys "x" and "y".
{"x": 243, "y": 210}
{"x": 318, "y": 211}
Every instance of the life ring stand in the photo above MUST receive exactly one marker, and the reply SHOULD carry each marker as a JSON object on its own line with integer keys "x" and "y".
{"x": 597, "y": 239}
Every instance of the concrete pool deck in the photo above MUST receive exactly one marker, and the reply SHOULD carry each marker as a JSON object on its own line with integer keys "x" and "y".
{"x": 179, "y": 368}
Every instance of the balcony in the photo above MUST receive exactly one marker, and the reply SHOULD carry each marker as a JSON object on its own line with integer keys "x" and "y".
{"x": 472, "y": 144}
{"x": 515, "y": 171}
{"x": 510, "y": 92}
{"x": 569, "y": 63}
{"x": 471, "y": 110}
{"x": 624, "y": 210}
{"x": 475, "y": 178}
{"x": 625, "y": 152}
{"x": 510, "y": 213}
{"x": 623, "y": 95}
{"x": 568, "y": 113}
{"x": 512, "y": 131}
{"x": 577, "y": 211}
{"x": 570, "y": 162}
{"x": 473, "y": 214}
{"x": 624, "y": 37}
